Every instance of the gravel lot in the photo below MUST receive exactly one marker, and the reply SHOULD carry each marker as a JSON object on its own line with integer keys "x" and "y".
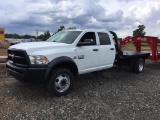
{"x": 3, "y": 52}
{"x": 115, "y": 94}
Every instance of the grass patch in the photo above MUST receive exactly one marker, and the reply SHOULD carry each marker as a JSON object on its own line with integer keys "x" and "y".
{"x": 132, "y": 47}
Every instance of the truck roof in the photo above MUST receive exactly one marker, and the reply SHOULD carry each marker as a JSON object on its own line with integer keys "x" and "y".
{"x": 87, "y": 30}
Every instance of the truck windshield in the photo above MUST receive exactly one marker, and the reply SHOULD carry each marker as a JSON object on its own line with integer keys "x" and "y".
{"x": 67, "y": 37}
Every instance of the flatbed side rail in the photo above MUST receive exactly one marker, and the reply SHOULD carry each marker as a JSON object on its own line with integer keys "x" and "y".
{"x": 152, "y": 42}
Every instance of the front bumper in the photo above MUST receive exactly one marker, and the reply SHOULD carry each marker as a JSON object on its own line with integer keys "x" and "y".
{"x": 35, "y": 75}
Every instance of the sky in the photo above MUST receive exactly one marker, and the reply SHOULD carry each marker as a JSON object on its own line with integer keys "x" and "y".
{"x": 122, "y": 16}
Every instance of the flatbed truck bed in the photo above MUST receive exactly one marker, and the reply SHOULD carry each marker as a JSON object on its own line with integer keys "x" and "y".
{"x": 135, "y": 60}
{"x": 132, "y": 54}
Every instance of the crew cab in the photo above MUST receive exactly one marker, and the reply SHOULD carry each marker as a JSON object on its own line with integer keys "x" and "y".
{"x": 69, "y": 53}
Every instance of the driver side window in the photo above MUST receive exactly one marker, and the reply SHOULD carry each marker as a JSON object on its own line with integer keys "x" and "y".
{"x": 89, "y": 37}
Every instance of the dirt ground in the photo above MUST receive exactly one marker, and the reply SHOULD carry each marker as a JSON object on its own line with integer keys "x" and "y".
{"x": 114, "y": 94}
{"x": 3, "y": 52}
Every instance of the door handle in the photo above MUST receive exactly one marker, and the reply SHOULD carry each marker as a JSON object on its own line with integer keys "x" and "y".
{"x": 95, "y": 49}
{"x": 111, "y": 48}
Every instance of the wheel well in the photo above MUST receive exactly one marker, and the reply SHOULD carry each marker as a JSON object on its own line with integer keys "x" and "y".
{"x": 68, "y": 66}
{"x": 125, "y": 62}
{"x": 137, "y": 58}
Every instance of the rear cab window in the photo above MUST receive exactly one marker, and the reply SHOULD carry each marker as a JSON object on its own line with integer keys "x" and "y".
{"x": 104, "y": 38}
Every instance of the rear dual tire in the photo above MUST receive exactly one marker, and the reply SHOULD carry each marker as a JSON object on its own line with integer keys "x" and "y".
{"x": 137, "y": 65}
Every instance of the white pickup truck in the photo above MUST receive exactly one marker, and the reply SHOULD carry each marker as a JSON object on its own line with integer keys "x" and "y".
{"x": 69, "y": 53}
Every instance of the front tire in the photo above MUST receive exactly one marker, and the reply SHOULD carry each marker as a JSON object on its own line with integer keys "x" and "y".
{"x": 60, "y": 82}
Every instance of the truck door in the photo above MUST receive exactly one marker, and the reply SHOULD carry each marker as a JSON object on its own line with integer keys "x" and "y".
{"x": 88, "y": 53}
{"x": 107, "y": 51}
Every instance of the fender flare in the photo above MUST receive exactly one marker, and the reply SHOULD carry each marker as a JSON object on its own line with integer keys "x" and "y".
{"x": 57, "y": 61}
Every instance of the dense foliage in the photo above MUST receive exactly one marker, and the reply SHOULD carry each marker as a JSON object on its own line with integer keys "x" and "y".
{"x": 139, "y": 31}
{"x": 16, "y": 36}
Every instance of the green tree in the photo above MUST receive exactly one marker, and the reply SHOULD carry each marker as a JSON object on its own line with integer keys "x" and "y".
{"x": 16, "y": 36}
{"x": 46, "y": 35}
{"x": 61, "y": 28}
{"x": 8, "y": 35}
{"x": 139, "y": 31}
{"x": 26, "y": 36}
{"x": 41, "y": 37}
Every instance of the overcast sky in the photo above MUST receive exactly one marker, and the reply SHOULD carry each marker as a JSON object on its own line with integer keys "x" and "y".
{"x": 122, "y": 16}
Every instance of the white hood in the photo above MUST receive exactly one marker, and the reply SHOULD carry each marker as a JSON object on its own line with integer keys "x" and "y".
{"x": 34, "y": 47}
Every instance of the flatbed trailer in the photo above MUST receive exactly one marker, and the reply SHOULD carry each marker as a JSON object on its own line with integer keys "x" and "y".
{"x": 151, "y": 42}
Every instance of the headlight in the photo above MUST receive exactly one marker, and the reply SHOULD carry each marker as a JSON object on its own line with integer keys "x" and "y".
{"x": 39, "y": 59}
